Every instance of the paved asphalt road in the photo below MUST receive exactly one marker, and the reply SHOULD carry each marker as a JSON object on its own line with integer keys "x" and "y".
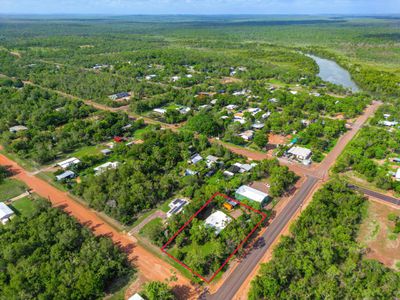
{"x": 243, "y": 270}
{"x": 377, "y": 195}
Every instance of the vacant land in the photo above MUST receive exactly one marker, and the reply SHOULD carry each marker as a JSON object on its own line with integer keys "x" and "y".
{"x": 376, "y": 233}
{"x": 11, "y": 188}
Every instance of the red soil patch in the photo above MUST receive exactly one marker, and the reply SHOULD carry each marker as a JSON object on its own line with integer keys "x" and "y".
{"x": 149, "y": 266}
{"x": 277, "y": 139}
{"x": 375, "y": 231}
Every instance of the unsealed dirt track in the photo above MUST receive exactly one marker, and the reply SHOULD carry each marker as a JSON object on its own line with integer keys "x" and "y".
{"x": 149, "y": 266}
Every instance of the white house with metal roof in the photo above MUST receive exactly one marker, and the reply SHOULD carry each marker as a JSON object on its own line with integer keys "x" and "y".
{"x": 5, "y": 213}
{"x": 68, "y": 163}
{"x": 218, "y": 220}
{"x": 300, "y": 152}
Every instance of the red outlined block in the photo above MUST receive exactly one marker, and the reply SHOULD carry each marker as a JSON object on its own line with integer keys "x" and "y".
{"x": 163, "y": 248}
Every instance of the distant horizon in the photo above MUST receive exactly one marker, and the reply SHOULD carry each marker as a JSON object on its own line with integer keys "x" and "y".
{"x": 199, "y": 7}
{"x": 207, "y": 15}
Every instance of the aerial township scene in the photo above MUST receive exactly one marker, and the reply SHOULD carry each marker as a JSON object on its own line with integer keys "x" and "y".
{"x": 199, "y": 149}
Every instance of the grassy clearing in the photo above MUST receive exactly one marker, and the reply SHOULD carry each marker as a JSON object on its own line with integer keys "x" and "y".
{"x": 23, "y": 206}
{"x": 11, "y": 188}
{"x": 87, "y": 151}
{"x": 376, "y": 234}
{"x": 155, "y": 223}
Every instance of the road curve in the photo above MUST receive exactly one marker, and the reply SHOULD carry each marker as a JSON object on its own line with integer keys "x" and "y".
{"x": 233, "y": 283}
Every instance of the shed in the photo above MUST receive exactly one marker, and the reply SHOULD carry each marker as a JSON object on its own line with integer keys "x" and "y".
{"x": 248, "y": 193}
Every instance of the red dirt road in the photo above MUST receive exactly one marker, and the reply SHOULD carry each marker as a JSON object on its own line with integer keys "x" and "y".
{"x": 149, "y": 266}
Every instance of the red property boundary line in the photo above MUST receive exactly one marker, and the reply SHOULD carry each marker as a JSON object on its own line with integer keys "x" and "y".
{"x": 264, "y": 216}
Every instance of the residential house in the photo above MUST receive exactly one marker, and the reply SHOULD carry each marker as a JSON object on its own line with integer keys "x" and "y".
{"x": 195, "y": 158}
{"x": 189, "y": 172}
{"x": 136, "y": 297}
{"x": 389, "y": 123}
{"x": 120, "y": 96}
{"x": 175, "y": 78}
{"x": 243, "y": 168}
{"x": 232, "y": 170}
{"x": 68, "y": 163}
{"x": 248, "y": 193}
{"x": 149, "y": 77}
{"x": 211, "y": 160}
{"x": 184, "y": 110}
{"x": 247, "y": 135}
{"x": 218, "y": 220}
{"x": 397, "y": 176}
{"x": 5, "y": 213}
{"x": 104, "y": 167}
{"x": 106, "y": 152}
{"x": 176, "y": 207}
{"x": 231, "y": 107}
{"x": 17, "y": 128}
{"x": 258, "y": 125}
{"x": 300, "y": 153}
{"x": 161, "y": 111}
{"x": 238, "y": 117}
{"x": 254, "y": 110}
{"x": 65, "y": 175}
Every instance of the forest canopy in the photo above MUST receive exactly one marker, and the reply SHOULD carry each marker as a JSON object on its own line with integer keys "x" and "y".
{"x": 49, "y": 255}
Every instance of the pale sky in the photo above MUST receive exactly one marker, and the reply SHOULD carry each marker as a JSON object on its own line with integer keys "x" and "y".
{"x": 199, "y": 7}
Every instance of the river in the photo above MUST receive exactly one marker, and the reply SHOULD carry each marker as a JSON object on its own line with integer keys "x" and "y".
{"x": 330, "y": 71}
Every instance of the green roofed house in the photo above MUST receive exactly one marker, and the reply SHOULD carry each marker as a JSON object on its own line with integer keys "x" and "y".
{"x": 248, "y": 193}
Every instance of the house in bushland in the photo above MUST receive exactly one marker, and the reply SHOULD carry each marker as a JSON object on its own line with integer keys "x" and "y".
{"x": 160, "y": 111}
{"x": 176, "y": 207}
{"x": 218, "y": 220}
{"x": 5, "y": 213}
{"x": 65, "y": 175}
{"x": 18, "y": 128}
{"x": 120, "y": 96}
{"x": 68, "y": 163}
{"x": 211, "y": 160}
{"x": 195, "y": 158}
{"x": 106, "y": 152}
{"x": 248, "y": 193}
{"x": 104, "y": 167}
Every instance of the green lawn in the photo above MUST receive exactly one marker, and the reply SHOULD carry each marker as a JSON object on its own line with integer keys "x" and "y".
{"x": 11, "y": 188}
{"x": 157, "y": 222}
{"x": 87, "y": 150}
{"x": 138, "y": 135}
{"x": 23, "y": 206}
